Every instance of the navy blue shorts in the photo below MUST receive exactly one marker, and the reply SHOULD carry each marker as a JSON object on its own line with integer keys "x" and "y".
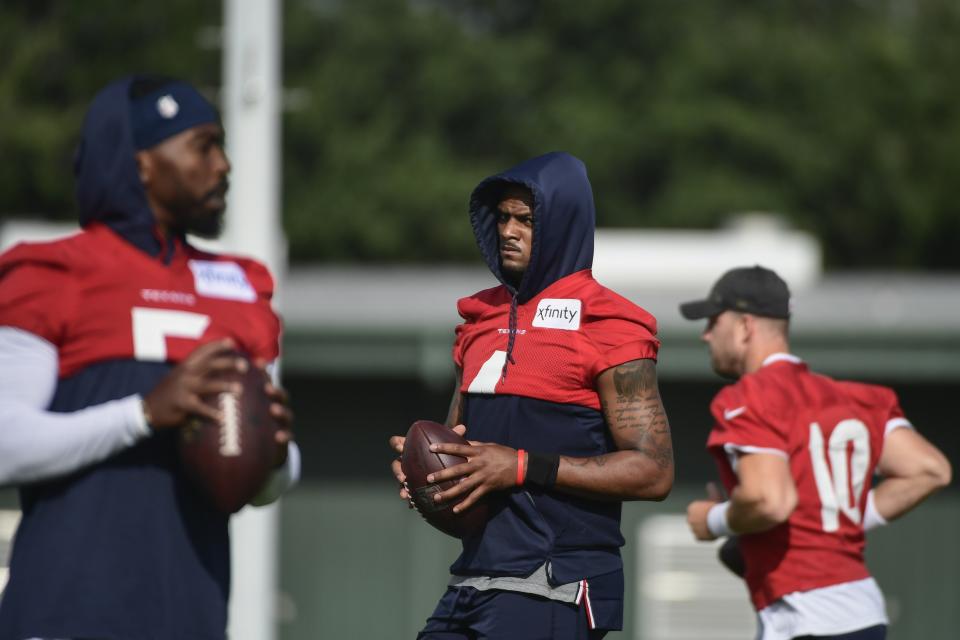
{"x": 465, "y": 613}
{"x": 878, "y": 632}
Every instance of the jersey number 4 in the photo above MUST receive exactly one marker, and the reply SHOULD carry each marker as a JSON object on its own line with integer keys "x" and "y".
{"x": 152, "y": 327}
{"x": 840, "y": 484}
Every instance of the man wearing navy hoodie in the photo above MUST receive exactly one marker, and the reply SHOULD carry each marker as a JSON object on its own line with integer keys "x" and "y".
{"x": 108, "y": 340}
{"x": 557, "y": 391}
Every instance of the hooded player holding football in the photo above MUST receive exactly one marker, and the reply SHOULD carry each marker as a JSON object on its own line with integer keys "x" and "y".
{"x": 557, "y": 389}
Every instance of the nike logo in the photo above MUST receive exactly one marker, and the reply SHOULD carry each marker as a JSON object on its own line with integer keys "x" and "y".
{"x": 730, "y": 414}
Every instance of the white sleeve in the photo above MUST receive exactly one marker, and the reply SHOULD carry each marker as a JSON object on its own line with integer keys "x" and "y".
{"x": 282, "y": 479}
{"x": 36, "y": 444}
{"x": 896, "y": 423}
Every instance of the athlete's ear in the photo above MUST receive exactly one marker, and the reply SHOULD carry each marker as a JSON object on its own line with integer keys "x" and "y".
{"x": 144, "y": 166}
{"x": 749, "y": 324}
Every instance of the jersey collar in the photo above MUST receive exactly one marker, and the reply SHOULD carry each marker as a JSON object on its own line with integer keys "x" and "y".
{"x": 780, "y": 357}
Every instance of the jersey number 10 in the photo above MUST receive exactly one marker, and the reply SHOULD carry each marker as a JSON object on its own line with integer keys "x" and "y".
{"x": 840, "y": 484}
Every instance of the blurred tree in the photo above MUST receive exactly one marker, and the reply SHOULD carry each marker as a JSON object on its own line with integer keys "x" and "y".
{"x": 841, "y": 115}
{"x": 56, "y": 55}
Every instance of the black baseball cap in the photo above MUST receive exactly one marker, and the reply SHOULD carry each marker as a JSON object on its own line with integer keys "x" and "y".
{"x": 753, "y": 290}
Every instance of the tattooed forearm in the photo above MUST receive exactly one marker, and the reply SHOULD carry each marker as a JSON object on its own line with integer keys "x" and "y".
{"x": 660, "y": 452}
{"x": 641, "y": 468}
{"x": 636, "y": 412}
{"x": 597, "y": 461}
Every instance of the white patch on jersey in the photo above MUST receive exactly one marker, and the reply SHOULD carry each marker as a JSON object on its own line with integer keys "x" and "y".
{"x": 221, "y": 280}
{"x": 558, "y": 313}
{"x": 730, "y": 414}
{"x": 152, "y": 327}
{"x": 489, "y": 374}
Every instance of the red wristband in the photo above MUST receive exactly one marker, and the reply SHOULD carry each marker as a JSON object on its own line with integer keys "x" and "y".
{"x": 521, "y": 467}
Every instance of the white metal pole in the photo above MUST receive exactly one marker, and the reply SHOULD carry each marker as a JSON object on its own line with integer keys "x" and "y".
{"x": 251, "y": 90}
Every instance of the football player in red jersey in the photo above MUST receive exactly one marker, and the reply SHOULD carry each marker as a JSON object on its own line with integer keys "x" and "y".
{"x": 556, "y": 384}
{"x": 108, "y": 340}
{"x": 796, "y": 452}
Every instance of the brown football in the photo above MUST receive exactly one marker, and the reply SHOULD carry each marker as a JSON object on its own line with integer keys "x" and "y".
{"x": 230, "y": 460}
{"x": 417, "y": 462}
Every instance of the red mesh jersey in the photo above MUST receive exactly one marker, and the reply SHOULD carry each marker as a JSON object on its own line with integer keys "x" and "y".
{"x": 832, "y": 434}
{"x": 96, "y": 297}
{"x": 565, "y": 337}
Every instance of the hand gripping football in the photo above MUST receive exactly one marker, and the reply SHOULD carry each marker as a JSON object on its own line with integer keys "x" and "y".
{"x": 231, "y": 459}
{"x": 417, "y": 462}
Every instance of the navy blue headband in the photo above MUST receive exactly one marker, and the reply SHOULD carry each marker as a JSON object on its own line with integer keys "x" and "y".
{"x": 169, "y": 110}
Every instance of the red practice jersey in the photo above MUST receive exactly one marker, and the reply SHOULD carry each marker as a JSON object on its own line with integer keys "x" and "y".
{"x": 96, "y": 297}
{"x": 832, "y": 434}
{"x": 566, "y": 336}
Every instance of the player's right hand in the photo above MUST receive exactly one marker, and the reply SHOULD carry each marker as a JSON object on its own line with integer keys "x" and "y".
{"x": 698, "y": 509}
{"x": 180, "y": 393}
{"x": 396, "y": 443}
{"x": 697, "y": 519}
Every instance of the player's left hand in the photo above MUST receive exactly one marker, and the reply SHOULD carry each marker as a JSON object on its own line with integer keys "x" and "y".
{"x": 489, "y": 467}
{"x": 697, "y": 519}
{"x": 280, "y": 410}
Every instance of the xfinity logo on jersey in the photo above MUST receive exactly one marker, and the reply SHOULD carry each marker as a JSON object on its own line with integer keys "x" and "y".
{"x": 558, "y": 313}
{"x": 221, "y": 280}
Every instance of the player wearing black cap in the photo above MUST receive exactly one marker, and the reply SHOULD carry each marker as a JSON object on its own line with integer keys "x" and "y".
{"x": 753, "y": 290}
{"x": 797, "y": 452}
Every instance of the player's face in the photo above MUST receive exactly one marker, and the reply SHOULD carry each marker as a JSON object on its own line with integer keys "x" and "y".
{"x": 725, "y": 337}
{"x": 515, "y": 230}
{"x": 185, "y": 178}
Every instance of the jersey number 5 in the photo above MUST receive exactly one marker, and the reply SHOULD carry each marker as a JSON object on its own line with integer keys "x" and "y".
{"x": 840, "y": 484}
{"x": 152, "y": 327}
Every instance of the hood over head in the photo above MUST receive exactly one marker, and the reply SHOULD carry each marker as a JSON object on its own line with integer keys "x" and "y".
{"x": 563, "y": 220}
{"x": 117, "y": 124}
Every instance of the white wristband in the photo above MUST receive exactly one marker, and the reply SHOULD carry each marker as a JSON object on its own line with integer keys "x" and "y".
{"x": 871, "y": 517}
{"x": 717, "y": 520}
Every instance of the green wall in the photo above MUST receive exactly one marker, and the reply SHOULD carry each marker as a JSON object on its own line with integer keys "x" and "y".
{"x": 356, "y": 563}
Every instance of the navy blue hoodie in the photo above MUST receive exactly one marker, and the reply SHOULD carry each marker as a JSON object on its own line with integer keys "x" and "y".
{"x": 545, "y": 398}
{"x": 563, "y": 226}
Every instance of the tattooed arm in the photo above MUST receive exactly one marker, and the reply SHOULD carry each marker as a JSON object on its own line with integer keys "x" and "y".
{"x": 642, "y": 467}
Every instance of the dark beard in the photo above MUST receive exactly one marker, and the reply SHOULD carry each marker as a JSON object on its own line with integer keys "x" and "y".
{"x": 196, "y": 221}
{"x": 205, "y": 224}
{"x": 195, "y": 218}
{"x": 513, "y": 278}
